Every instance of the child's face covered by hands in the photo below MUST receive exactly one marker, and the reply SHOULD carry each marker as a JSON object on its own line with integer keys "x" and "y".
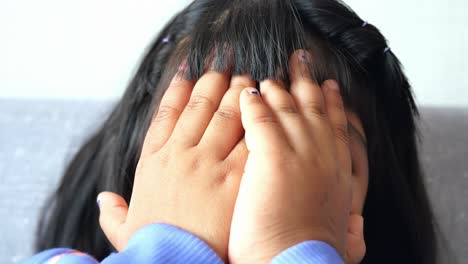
{"x": 194, "y": 155}
{"x": 191, "y": 164}
{"x": 298, "y": 180}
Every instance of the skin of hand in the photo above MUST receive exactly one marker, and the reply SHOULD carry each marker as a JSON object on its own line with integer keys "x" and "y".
{"x": 191, "y": 166}
{"x": 189, "y": 172}
{"x": 355, "y": 243}
{"x": 297, "y": 180}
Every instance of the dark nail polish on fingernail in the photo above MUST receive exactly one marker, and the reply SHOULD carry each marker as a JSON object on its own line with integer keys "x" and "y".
{"x": 254, "y": 92}
{"x": 303, "y": 56}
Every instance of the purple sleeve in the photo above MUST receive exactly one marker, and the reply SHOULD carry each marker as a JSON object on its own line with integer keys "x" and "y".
{"x": 309, "y": 252}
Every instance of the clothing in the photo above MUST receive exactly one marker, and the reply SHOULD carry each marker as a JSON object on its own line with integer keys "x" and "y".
{"x": 163, "y": 243}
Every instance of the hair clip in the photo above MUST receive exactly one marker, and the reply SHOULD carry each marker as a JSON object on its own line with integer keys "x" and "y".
{"x": 365, "y": 24}
{"x": 387, "y": 49}
{"x": 166, "y": 40}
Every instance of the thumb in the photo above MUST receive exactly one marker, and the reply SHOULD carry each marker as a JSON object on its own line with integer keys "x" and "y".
{"x": 113, "y": 213}
{"x": 263, "y": 133}
{"x": 355, "y": 244}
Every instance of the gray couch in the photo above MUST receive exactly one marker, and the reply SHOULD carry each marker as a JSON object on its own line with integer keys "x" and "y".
{"x": 38, "y": 137}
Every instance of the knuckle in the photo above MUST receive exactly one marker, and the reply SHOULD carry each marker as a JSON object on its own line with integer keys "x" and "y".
{"x": 238, "y": 84}
{"x": 263, "y": 119}
{"x": 175, "y": 85}
{"x": 341, "y": 132}
{"x": 220, "y": 179}
{"x": 163, "y": 160}
{"x": 313, "y": 108}
{"x": 286, "y": 108}
{"x": 195, "y": 164}
{"x": 336, "y": 101}
{"x": 199, "y": 102}
{"x": 338, "y": 106}
{"x": 166, "y": 112}
{"x": 227, "y": 113}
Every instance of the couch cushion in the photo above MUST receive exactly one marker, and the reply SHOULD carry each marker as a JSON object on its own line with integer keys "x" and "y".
{"x": 38, "y": 137}
{"x": 445, "y": 160}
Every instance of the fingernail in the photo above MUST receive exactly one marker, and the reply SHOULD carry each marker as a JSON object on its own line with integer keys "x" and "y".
{"x": 253, "y": 91}
{"x": 213, "y": 65}
{"x": 182, "y": 66}
{"x": 303, "y": 56}
{"x": 99, "y": 202}
{"x": 302, "y": 65}
{"x": 331, "y": 84}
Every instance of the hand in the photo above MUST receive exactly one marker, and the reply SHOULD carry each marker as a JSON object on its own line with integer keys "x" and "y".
{"x": 297, "y": 180}
{"x": 355, "y": 244}
{"x": 191, "y": 164}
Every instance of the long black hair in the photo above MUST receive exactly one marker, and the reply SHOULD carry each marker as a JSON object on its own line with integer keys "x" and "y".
{"x": 257, "y": 37}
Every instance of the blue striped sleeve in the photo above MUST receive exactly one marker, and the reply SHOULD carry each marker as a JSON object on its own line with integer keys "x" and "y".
{"x": 156, "y": 243}
{"x": 309, "y": 252}
{"x": 162, "y": 243}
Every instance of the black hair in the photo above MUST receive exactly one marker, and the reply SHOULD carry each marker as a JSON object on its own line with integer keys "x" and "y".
{"x": 257, "y": 37}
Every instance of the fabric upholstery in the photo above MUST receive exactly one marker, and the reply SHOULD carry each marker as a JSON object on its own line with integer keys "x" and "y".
{"x": 37, "y": 137}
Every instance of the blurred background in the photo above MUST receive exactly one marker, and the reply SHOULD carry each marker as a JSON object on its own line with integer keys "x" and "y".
{"x": 88, "y": 49}
{"x": 64, "y": 63}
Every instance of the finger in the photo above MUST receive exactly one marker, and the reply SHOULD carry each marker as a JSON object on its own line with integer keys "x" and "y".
{"x": 225, "y": 129}
{"x": 263, "y": 133}
{"x": 204, "y": 101}
{"x": 113, "y": 214}
{"x": 355, "y": 243}
{"x": 306, "y": 93}
{"x": 235, "y": 162}
{"x": 285, "y": 111}
{"x": 171, "y": 106}
{"x": 339, "y": 122}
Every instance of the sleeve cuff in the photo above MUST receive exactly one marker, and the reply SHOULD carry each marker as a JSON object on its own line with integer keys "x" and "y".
{"x": 163, "y": 243}
{"x": 60, "y": 256}
{"x": 309, "y": 252}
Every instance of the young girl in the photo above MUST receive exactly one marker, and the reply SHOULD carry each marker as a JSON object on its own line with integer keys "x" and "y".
{"x": 256, "y": 38}
{"x": 294, "y": 201}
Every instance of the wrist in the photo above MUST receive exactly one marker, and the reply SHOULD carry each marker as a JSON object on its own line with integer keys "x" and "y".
{"x": 159, "y": 239}
{"x": 267, "y": 251}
